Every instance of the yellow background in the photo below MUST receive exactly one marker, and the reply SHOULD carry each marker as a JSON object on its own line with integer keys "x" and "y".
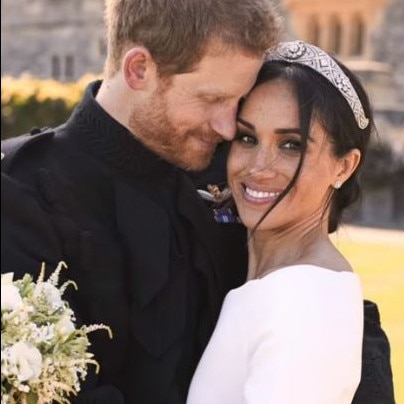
{"x": 378, "y": 257}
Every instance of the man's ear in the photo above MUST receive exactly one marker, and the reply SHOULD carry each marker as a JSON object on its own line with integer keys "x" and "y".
{"x": 348, "y": 164}
{"x": 139, "y": 68}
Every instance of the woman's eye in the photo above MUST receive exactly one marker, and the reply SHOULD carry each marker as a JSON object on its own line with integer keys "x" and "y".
{"x": 294, "y": 145}
{"x": 243, "y": 137}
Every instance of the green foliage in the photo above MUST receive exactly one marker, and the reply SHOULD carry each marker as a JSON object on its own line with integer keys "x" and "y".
{"x": 27, "y": 102}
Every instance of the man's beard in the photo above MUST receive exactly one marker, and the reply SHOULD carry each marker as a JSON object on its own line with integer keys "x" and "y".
{"x": 152, "y": 126}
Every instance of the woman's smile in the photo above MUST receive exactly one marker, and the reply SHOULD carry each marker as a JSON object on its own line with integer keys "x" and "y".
{"x": 256, "y": 196}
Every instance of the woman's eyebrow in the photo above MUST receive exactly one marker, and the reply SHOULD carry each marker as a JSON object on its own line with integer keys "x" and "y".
{"x": 245, "y": 123}
{"x": 287, "y": 131}
{"x": 279, "y": 131}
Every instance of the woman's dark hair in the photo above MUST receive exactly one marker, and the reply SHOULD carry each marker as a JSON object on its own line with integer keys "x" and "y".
{"x": 318, "y": 98}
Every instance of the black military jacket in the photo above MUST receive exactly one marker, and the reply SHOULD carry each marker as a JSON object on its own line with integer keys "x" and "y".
{"x": 144, "y": 249}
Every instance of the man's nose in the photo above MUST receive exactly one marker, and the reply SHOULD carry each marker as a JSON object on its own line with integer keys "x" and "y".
{"x": 224, "y": 121}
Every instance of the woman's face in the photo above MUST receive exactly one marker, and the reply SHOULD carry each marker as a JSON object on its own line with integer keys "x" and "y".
{"x": 264, "y": 157}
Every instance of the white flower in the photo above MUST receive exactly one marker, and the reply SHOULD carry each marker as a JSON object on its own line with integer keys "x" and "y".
{"x": 45, "y": 333}
{"x": 7, "y": 279}
{"x": 10, "y": 294}
{"x": 65, "y": 326}
{"x": 42, "y": 352}
{"x": 28, "y": 360}
{"x": 51, "y": 294}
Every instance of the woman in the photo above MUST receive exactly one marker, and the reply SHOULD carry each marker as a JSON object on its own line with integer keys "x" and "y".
{"x": 293, "y": 332}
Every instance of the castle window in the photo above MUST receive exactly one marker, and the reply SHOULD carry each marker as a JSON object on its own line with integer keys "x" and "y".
{"x": 55, "y": 67}
{"x": 335, "y": 36}
{"x": 358, "y": 28}
{"x": 69, "y": 67}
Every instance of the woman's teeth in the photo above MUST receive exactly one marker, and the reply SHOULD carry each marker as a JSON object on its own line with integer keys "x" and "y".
{"x": 261, "y": 194}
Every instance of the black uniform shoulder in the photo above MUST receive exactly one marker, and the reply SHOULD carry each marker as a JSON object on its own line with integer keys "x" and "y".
{"x": 14, "y": 148}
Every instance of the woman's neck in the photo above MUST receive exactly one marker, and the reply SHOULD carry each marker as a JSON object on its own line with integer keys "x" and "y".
{"x": 269, "y": 251}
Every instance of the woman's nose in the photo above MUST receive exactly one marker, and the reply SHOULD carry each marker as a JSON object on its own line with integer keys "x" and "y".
{"x": 263, "y": 164}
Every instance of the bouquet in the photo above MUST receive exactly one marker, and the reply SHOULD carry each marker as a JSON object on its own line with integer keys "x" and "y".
{"x": 43, "y": 355}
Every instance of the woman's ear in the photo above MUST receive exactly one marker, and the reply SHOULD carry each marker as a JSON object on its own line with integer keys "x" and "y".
{"x": 139, "y": 68}
{"x": 348, "y": 165}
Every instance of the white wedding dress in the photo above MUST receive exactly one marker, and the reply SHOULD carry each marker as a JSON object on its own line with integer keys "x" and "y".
{"x": 292, "y": 337}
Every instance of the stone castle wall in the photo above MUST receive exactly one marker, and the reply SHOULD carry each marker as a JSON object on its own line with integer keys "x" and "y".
{"x": 52, "y": 38}
{"x": 65, "y": 38}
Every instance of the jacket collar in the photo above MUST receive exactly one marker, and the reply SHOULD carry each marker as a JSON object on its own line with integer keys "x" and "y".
{"x": 108, "y": 140}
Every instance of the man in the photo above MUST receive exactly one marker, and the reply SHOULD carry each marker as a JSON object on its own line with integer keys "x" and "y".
{"x": 109, "y": 191}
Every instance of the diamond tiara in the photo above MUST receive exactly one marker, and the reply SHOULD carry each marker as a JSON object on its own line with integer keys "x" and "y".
{"x": 315, "y": 58}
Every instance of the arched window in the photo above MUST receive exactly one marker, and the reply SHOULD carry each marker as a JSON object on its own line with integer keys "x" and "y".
{"x": 313, "y": 31}
{"x": 335, "y": 35}
{"x": 358, "y": 30}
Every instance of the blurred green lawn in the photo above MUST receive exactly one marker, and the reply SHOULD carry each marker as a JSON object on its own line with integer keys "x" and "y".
{"x": 378, "y": 257}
